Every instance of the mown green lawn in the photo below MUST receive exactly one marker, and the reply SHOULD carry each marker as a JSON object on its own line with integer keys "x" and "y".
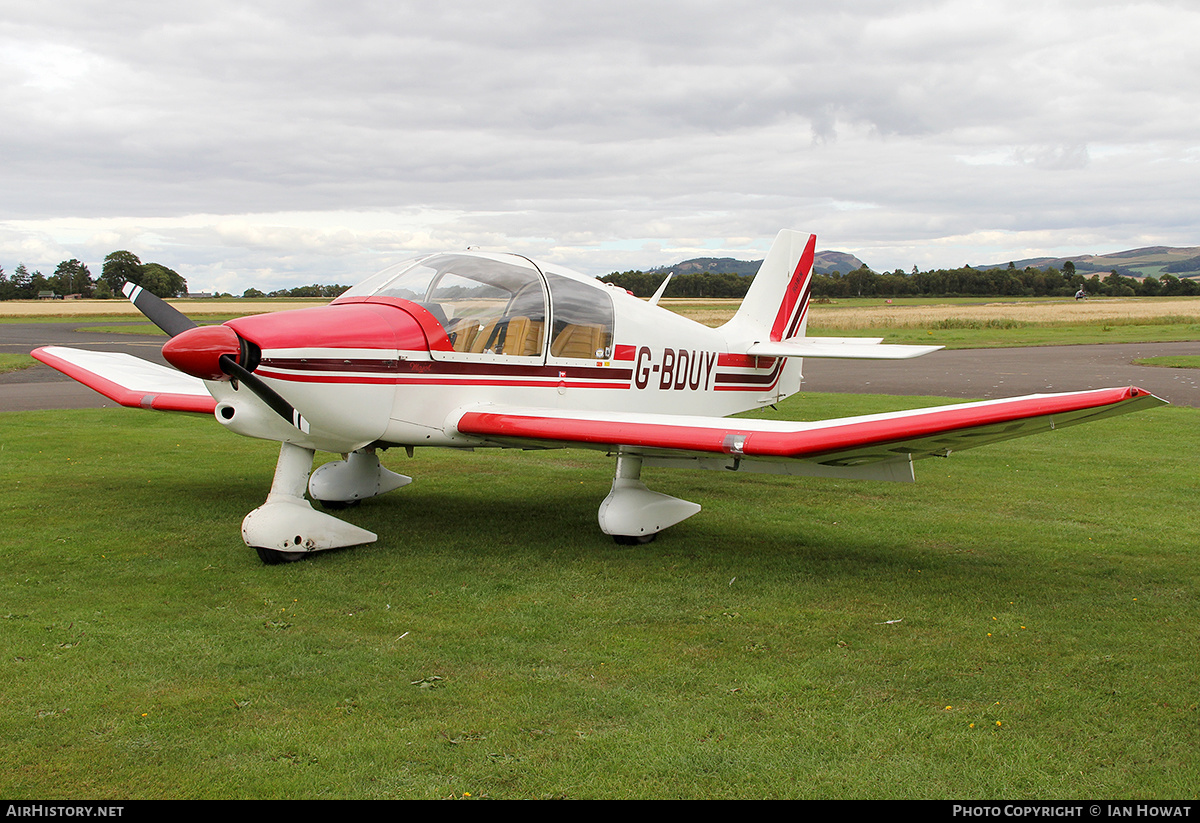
{"x": 1020, "y": 623}
{"x": 1183, "y": 361}
{"x": 15, "y": 362}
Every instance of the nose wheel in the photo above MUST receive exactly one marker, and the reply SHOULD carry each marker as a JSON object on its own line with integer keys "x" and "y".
{"x": 272, "y": 557}
{"x": 287, "y": 527}
{"x": 634, "y": 539}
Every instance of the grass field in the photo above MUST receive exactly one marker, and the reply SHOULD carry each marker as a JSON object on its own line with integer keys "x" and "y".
{"x": 1183, "y": 361}
{"x": 1020, "y": 623}
{"x": 123, "y": 309}
{"x": 953, "y": 323}
{"x": 987, "y": 322}
{"x": 15, "y": 362}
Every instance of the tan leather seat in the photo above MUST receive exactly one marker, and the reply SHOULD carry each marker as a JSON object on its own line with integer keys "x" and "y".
{"x": 578, "y": 340}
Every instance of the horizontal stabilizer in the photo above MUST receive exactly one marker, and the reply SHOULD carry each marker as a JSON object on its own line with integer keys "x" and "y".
{"x": 846, "y": 348}
{"x": 130, "y": 381}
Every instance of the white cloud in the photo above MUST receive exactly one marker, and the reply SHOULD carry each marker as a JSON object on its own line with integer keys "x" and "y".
{"x": 291, "y": 142}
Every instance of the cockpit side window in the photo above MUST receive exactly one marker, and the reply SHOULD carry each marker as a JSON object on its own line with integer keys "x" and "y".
{"x": 583, "y": 319}
{"x": 482, "y": 318}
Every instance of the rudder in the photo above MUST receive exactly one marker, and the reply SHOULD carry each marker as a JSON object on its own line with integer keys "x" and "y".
{"x": 776, "y": 307}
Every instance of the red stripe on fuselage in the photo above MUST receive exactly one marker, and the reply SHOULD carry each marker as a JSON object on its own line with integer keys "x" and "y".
{"x": 436, "y": 380}
{"x": 745, "y": 361}
{"x": 295, "y": 365}
{"x": 800, "y": 315}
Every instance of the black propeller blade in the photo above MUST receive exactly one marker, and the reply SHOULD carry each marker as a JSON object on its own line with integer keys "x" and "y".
{"x": 162, "y": 314}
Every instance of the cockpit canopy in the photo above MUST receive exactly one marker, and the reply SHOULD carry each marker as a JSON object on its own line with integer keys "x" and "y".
{"x": 503, "y": 305}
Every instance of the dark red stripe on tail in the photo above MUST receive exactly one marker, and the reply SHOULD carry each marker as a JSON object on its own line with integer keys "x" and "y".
{"x": 796, "y": 291}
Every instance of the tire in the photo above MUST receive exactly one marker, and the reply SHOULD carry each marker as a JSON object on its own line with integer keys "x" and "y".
{"x": 338, "y": 505}
{"x": 634, "y": 539}
{"x": 274, "y": 557}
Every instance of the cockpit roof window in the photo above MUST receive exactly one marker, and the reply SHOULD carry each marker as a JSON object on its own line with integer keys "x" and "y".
{"x": 496, "y": 305}
{"x": 418, "y": 279}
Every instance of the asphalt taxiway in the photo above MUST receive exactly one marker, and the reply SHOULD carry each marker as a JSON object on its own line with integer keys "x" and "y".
{"x": 966, "y": 373}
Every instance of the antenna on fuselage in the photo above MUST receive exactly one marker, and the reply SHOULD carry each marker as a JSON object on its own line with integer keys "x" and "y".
{"x": 661, "y": 289}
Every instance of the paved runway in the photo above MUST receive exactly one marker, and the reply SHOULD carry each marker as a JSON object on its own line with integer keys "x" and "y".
{"x": 967, "y": 373}
{"x": 41, "y": 387}
{"x": 992, "y": 373}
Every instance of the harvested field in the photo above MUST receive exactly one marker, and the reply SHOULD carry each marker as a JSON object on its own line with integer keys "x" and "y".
{"x": 1042, "y": 312}
{"x": 844, "y": 315}
{"x": 900, "y": 315}
{"x": 109, "y": 308}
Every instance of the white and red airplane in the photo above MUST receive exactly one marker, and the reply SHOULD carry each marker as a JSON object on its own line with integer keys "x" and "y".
{"x": 470, "y": 349}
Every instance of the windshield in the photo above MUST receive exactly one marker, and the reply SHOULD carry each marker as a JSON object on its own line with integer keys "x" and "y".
{"x": 491, "y": 304}
{"x": 486, "y": 304}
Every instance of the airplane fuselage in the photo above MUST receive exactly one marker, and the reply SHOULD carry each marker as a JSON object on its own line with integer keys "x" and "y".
{"x": 391, "y": 362}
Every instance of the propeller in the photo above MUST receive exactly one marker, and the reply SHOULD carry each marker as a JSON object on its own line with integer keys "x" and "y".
{"x": 210, "y": 352}
{"x": 158, "y": 311}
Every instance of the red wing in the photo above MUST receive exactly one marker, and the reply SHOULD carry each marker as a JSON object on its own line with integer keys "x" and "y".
{"x": 129, "y": 380}
{"x": 845, "y": 441}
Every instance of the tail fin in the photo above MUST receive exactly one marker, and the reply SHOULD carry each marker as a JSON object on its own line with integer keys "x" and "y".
{"x": 776, "y": 307}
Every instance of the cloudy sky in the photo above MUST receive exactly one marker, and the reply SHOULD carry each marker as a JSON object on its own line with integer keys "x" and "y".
{"x": 274, "y": 144}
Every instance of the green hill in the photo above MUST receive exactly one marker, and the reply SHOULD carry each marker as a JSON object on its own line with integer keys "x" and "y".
{"x": 826, "y": 262}
{"x": 1152, "y": 261}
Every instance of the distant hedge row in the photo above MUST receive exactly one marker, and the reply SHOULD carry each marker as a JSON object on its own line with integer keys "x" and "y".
{"x": 964, "y": 282}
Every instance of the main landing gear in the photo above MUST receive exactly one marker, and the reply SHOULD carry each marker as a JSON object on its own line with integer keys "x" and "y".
{"x": 633, "y": 514}
{"x": 287, "y": 527}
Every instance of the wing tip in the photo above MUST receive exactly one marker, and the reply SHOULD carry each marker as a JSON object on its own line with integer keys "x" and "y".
{"x": 1138, "y": 393}
{"x": 158, "y": 398}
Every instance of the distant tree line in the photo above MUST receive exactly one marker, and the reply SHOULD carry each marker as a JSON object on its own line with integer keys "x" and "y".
{"x": 121, "y": 267}
{"x": 71, "y": 277}
{"x": 962, "y": 282}
{"x": 1191, "y": 264}
{"x": 704, "y": 284}
{"x": 314, "y": 290}
{"x": 74, "y": 277}
{"x": 997, "y": 282}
